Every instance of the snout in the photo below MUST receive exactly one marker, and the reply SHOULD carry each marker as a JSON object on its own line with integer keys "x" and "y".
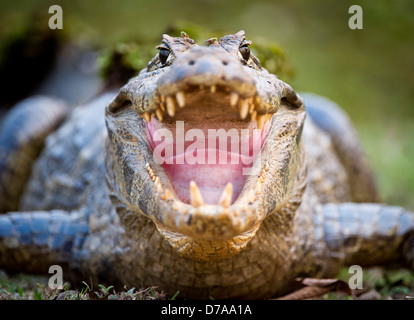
{"x": 207, "y": 66}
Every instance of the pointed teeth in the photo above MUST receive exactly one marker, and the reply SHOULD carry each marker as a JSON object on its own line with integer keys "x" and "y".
{"x": 226, "y": 196}
{"x": 244, "y": 108}
{"x": 260, "y": 118}
{"x": 195, "y": 195}
{"x": 170, "y": 106}
{"x": 159, "y": 114}
{"x": 251, "y": 196}
{"x": 251, "y": 108}
{"x": 233, "y": 99}
{"x": 258, "y": 187}
{"x": 258, "y": 101}
{"x": 213, "y": 88}
{"x": 269, "y": 116}
{"x": 253, "y": 115}
{"x": 180, "y": 98}
{"x": 146, "y": 116}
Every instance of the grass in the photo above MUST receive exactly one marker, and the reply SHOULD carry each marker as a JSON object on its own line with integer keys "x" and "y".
{"x": 379, "y": 283}
{"x": 30, "y": 287}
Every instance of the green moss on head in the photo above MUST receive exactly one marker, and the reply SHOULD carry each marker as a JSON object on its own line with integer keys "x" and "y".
{"x": 271, "y": 55}
{"x": 123, "y": 61}
{"x": 195, "y": 32}
{"x": 273, "y": 58}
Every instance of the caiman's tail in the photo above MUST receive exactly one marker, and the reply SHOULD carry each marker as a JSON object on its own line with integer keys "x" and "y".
{"x": 33, "y": 241}
{"x": 366, "y": 235}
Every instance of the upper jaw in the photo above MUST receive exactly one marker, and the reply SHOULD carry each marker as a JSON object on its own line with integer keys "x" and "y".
{"x": 214, "y": 70}
{"x": 254, "y": 94}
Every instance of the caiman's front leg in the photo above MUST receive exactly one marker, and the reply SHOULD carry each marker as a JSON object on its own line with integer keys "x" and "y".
{"x": 33, "y": 241}
{"x": 366, "y": 235}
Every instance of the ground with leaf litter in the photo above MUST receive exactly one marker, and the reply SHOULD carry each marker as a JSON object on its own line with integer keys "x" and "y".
{"x": 379, "y": 284}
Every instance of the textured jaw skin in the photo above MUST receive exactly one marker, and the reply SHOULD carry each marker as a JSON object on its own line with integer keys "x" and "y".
{"x": 205, "y": 88}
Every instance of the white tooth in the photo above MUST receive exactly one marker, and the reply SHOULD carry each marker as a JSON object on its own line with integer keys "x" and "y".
{"x": 226, "y": 196}
{"x": 233, "y": 98}
{"x": 146, "y": 116}
{"x": 261, "y": 118}
{"x": 253, "y": 115}
{"x": 269, "y": 116}
{"x": 251, "y": 196}
{"x": 251, "y": 108}
{"x": 170, "y": 106}
{"x": 258, "y": 188}
{"x": 159, "y": 114}
{"x": 213, "y": 88}
{"x": 195, "y": 195}
{"x": 180, "y": 98}
{"x": 244, "y": 108}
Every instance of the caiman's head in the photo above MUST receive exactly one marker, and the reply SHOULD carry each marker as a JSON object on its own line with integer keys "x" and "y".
{"x": 206, "y": 144}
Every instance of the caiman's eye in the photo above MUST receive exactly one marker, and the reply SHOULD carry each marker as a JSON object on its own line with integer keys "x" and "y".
{"x": 164, "y": 53}
{"x": 245, "y": 52}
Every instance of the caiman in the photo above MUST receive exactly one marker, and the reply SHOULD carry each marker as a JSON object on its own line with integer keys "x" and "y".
{"x": 120, "y": 192}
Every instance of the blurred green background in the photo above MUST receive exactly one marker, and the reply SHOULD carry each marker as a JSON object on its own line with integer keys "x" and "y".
{"x": 369, "y": 72}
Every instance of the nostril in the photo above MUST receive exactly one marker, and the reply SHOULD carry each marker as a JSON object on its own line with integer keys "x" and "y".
{"x": 191, "y": 62}
{"x": 225, "y": 63}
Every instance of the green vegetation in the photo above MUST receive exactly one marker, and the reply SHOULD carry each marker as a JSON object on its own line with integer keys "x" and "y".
{"x": 378, "y": 284}
{"x": 25, "y": 287}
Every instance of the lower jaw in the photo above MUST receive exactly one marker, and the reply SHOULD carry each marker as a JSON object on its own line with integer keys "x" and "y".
{"x": 207, "y": 250}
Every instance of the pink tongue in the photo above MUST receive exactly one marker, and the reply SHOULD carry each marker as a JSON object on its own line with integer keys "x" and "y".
{"x": 211, "y": 176}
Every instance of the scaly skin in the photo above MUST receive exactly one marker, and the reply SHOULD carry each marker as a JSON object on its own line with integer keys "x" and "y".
{"x": 121, "y": 221}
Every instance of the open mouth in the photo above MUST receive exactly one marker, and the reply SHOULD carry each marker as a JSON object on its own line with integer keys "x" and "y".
{"x": 216, "y": 154}
{"x": 206, "y": 139}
